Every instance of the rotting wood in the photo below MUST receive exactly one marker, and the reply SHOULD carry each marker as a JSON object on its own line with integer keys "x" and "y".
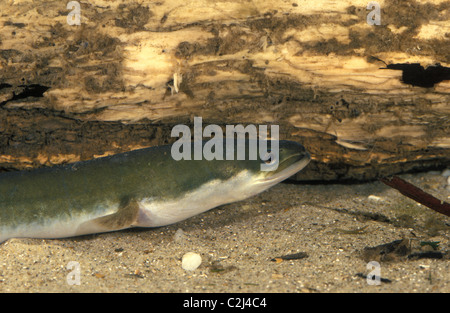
{"x": 132, "y": 70}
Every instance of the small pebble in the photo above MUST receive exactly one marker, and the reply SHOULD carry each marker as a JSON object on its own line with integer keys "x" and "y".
{"x": 374, "y": 198}
{"x": 446, "y": 173}
{"x": 179, "y": 235}
{"x": 191, "y": 261}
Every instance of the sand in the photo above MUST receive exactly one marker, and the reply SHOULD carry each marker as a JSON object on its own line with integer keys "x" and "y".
{"x": 239, "y": 244}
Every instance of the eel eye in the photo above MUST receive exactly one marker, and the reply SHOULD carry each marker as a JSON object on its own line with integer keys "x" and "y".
{"x": 269, "y": 158}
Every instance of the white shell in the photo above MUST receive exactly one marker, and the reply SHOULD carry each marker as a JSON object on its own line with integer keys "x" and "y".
{"x": 191, "y": 261}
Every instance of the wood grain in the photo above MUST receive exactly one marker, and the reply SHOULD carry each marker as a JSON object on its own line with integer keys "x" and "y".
{"x": 133, "y": 69}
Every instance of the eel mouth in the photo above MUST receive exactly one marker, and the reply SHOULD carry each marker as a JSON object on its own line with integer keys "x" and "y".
{"x": 301, "y": 161}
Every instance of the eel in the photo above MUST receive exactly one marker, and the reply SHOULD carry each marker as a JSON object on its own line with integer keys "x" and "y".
{"x": 141, "y": 188}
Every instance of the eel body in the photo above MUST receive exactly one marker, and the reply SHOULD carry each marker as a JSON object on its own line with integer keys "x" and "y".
{"x": 141, "y": 188}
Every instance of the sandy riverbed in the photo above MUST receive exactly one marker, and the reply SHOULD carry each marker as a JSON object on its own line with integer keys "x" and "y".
{"x": 332, "y": 223}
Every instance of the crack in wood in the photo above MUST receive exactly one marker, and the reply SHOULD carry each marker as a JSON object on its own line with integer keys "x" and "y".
{"x": 32, "y": 90}
{"x": 416, "y": 75}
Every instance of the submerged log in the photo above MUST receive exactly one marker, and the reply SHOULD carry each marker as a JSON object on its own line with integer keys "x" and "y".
{"x": 85, "y": 79}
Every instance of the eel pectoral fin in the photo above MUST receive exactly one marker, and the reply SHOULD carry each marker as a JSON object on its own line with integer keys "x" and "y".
{"x": 125, "y": 217}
